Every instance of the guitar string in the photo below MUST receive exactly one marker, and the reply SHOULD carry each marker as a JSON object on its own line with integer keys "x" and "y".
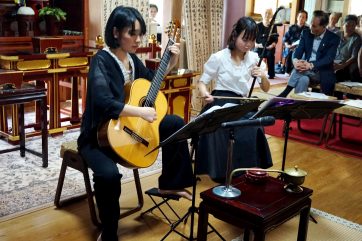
{"x": 155, "y": 85}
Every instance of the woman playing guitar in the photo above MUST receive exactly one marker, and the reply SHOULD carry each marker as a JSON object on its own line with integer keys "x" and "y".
{"x": 111, "y": 69}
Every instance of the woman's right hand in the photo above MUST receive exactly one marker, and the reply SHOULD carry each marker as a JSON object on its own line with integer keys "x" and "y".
{"x": 207, "y": 97}
{"x": 204, "y": 93}
{"x": 148, "y": 113}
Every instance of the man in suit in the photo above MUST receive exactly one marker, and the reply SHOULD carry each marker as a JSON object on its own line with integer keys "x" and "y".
{"x": 313, "y": 58}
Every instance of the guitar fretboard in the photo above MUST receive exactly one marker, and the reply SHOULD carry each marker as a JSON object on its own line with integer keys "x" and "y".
{"x": 160, "y": 74}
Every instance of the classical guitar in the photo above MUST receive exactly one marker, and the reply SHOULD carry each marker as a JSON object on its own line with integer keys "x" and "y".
{"x": 132, "y": 138}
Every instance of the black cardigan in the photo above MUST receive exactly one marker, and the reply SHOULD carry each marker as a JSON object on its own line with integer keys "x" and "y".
{"x": 105, "y": 93}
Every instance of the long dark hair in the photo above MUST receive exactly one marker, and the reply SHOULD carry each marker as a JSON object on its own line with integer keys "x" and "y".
{"x": 245, "y": 23}
{"x": 122, "y": 17}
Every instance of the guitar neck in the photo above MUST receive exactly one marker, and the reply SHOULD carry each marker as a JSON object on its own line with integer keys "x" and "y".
{"x": 160, "y": 74}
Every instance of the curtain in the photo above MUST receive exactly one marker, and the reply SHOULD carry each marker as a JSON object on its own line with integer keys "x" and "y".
{"x": 203, "y": 33}
{"x": 141, "y": 5}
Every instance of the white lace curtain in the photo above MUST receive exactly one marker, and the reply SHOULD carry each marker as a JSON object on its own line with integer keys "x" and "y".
{"x": 203, "y": 34}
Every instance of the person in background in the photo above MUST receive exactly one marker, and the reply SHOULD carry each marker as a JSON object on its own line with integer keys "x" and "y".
{"x": 111, "y": 69}
{"x": 345, "y": 63}
{"x": 359, "y": 26}
{"x": 233, "y": 68}
{"x": 291, "y": 39}
{"x": 153, "y": 10}
{"x": 261, "y": 41}
{"x": 313, "y": 58}
{"x": 333, "y": 20}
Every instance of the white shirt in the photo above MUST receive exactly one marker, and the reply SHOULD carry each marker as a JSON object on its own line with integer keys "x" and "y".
{"x": 316, "y": 42}
{"x": 228, "y": 75}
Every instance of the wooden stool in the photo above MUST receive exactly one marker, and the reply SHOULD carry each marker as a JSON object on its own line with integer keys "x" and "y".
{"x": 71, "y": 158}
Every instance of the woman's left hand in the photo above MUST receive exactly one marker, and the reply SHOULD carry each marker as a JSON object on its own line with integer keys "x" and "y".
{"x": 175, "y": 50}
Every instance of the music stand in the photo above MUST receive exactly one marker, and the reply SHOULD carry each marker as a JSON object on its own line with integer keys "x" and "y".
{"x": 207, "y": 122}
{"x": 295, "y": 109}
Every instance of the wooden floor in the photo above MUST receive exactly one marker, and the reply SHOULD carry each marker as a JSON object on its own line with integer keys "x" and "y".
{"x": 335, "y": 178}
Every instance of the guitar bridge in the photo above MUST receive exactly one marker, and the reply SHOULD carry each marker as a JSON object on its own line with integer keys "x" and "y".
{"x": 135, "y": 136}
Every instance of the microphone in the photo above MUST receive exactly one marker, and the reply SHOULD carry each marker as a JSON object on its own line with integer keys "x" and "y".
{"x": 263, "y": 121}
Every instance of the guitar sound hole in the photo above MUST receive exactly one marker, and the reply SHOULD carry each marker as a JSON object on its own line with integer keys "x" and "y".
{"x": 143, "y": 103}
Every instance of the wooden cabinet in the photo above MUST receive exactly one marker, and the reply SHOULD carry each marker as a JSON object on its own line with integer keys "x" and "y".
{"x": 75, "y": 28}
{"x": 177, "y": 88}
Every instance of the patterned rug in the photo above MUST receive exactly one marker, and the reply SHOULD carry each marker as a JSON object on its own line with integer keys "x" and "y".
{"x": 25, "y": 185}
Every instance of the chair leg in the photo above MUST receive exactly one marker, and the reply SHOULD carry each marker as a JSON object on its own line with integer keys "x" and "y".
{"x": 73, "y": 161}
{"x": 139, "y": 196}
{"x": 90, "y": 194}
{"x": 321, "y": 134}
{"x": 58, "y": 192}
{"x": 76, "y": 162}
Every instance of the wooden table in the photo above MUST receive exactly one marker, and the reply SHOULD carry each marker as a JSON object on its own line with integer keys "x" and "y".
{"x": 19, "y": 97}
{"x": 261, "y": 207}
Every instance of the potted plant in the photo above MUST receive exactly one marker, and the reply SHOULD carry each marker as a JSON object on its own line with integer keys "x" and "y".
{"x": 53, "y": 19}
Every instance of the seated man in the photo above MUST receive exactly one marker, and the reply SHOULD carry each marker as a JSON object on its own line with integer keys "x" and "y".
{"x": 345, "y": 63}
{"x": 313, "y": 58}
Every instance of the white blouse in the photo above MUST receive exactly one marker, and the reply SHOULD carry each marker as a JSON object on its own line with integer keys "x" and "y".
{"x": 228, "y": 75}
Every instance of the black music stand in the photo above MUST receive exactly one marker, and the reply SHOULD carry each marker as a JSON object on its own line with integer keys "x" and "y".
{"x": 207, "y": 122}
{"x": 295, "y": 109}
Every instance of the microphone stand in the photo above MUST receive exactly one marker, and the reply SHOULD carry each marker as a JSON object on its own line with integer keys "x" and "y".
{"x": 271, "y": 26}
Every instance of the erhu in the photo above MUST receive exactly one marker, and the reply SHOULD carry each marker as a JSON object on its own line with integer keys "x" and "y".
{"x": 270, "y": 28}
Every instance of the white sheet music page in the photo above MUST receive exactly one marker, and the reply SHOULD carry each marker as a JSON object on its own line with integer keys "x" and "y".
{"x": 354, "y": 103}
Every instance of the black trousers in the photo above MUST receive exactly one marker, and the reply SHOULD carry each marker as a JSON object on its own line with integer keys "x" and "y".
{"x": 251, "y": 148}
{"x": 289, "y": 63}
{"x": 176, "y": 174}
{"x": 270, "y": 57}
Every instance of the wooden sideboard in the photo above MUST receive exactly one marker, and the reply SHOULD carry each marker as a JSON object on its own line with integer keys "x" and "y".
{"x": 75, "y": 28}
{"x": 177, "y": 87}
{"x": 52, "y": 70}
{"x": 70, "y": 70}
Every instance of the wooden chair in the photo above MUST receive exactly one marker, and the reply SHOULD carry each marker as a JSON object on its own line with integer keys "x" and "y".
{"x": 321, "y": 134}
{"x": 72, "y": 159}
{"x": 344, "y": 111}
{"x": 15, "y": 78}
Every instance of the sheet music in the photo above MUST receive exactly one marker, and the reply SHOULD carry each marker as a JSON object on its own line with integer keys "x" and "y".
{"x": 351, "y": 84}
{"x": 314, "y": 95}
{"x": 354, "y": 103}
{"x": 216, "y": 107}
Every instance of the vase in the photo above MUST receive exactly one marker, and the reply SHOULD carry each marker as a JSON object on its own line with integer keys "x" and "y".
{"x": 25, "y": 18}
{"x": 53, "y": 26}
